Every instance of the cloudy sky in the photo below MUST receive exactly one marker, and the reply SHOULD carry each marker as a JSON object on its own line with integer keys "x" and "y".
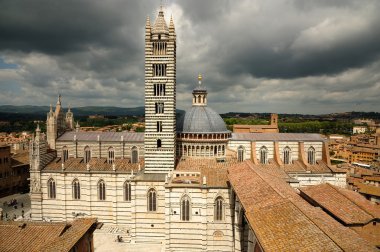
{"x": 284, "y": 56}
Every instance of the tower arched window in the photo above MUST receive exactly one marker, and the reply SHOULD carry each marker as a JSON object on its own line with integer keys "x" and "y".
{"x": 76, "y": 189}
{"x": 51, "y": 189}
{"x": 218, "y": 209}
{"x": 65, "y": 154}
{"x": 134, "y": 155}
{"x": 185, "y": 208}
{"x": 152, "y": 200}
{"x": 111, "y": 155}
{"x": 287, "y": 156}
{"x": 101, "y": 190}
{"x": 263, "y": 155}
{"x": 240, "y": 154}
{"x": 87, "y": 154}
{"x": 311, "y": 155}
{"x": 127, "y": 191}
{"x": 159, "y": 143}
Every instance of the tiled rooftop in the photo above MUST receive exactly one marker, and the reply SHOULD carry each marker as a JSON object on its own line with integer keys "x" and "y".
{"x": 333, "y": 201}
{"x": 103, "y": 136}
{"x": 96, "y": 164}
{"x": 42, "y": 236}
{"x": 215, "y": 172}
{"x": 271, "y": 204}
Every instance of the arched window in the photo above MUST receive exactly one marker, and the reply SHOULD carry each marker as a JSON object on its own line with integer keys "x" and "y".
{"x": 51, "y": 189}
{"x": 185, "y": 208}
{"x": 127, "y": 191}
{"x": 111, "y": 155}
{"x": 65, "y": 154}
{"x": 240, "y": 154}
{"x": 311, "y": 155}
{"x": 76, "y": 189}
{"x": 263, "y": 155}
{"x": 287, "y": 155}
{"x": 134, "y": 155}
{"x": 159, "y": 143}
{"x": 152, "y": 200}
{"x": 218, "y": 209}
{"x": 87, "y": 154}
{"x": 101, "y": 190}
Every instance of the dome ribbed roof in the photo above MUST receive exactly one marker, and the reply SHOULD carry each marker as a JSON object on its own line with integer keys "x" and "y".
{"x": 201, "y": 119}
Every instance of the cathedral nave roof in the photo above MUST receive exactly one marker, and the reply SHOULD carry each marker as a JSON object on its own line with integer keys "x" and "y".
{"x": 103, "y": 136}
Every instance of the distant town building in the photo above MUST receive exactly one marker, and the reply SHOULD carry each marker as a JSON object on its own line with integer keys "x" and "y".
{"x": 359, "y": 129}
{"x": 14, "y": 171}
{"x": 271, "y": 128}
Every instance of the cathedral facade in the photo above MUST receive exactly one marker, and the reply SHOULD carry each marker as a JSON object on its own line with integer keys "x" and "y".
{"x": 169, "y": 184}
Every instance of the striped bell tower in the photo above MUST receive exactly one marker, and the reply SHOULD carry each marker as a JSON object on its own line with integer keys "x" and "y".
{"x": 160, "y": 95}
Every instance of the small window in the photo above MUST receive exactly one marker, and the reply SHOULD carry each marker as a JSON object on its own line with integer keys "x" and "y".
{"x": 159, "y": 126}
{"x": 65, "y": 154}
{"x": 127, "y": 191}
{"x": 159, "y": 143}
{"x": 159, "y": 89}
{"x": 240, "y": 154}
{"x": 51, "y": 189}
{"x": 76, "y": 189}
{"x": 311, "y": 155}
{"x": 159, "y": 70}
{"x": 111, "y": 155}
{"x": 87, "y": 154}
{"x": 135, "y": 155}
{"x": 101, "y": 190}
{"x": 218, "y": 209}
{"x": 263, "y": 155}
{"x": 159, "y": 106}
{"x": 185, "y": 208}
{"x": 287, "y": 156}
{"x": 152, "y": 200}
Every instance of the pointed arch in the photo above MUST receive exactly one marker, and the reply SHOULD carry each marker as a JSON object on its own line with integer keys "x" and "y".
{"x": 87, "y": 154}
{"x": 51, "y": 189}
{"x": 311, "y": 155}
{"x": 152, "y": 200}
{"x": 127, "y": 191}
{"x": 65, "y": 153}
{"x": 76, "y": 189}
{"x": 101, "y": 190}
{"x": 287, "y": 155}
{"x": 219, "y": 209}
{"x": 263, "y": 155}
{"x": 134, "y": 155}
{"x": 111, "y": 155}
{"x": 185, "y": 208}
{"x": 240, "y": 153}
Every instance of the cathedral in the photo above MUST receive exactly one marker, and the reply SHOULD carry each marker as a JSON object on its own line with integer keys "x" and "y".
{"x": 175, "y": 183}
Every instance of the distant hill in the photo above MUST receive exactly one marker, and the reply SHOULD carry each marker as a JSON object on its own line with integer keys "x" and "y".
{"x": 29, "y": 111}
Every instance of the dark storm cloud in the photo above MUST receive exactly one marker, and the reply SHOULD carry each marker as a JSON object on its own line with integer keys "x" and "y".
{"x": 261, "y": 55}
{"x": 58, "y": 27}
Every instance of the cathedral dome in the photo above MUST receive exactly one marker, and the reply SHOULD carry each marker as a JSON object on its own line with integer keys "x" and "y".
{"x": 201, "y": 119}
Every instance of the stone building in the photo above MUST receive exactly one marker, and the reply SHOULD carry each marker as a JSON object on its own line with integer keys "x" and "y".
{"x": 14, "y": 171}
{"x": 169, "y": 185}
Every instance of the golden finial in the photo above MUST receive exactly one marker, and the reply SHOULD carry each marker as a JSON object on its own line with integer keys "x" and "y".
{"x": 199, "y": 77}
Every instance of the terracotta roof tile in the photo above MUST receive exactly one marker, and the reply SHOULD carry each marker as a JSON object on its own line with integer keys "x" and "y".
{"x": 96, "y": 164}
{"x": 277, "y": 205}
{"x": 330, "y": 199}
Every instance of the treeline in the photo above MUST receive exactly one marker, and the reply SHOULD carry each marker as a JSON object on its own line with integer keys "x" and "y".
{"x": 297, "y": 125}
{"x": 323, "y": 127}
